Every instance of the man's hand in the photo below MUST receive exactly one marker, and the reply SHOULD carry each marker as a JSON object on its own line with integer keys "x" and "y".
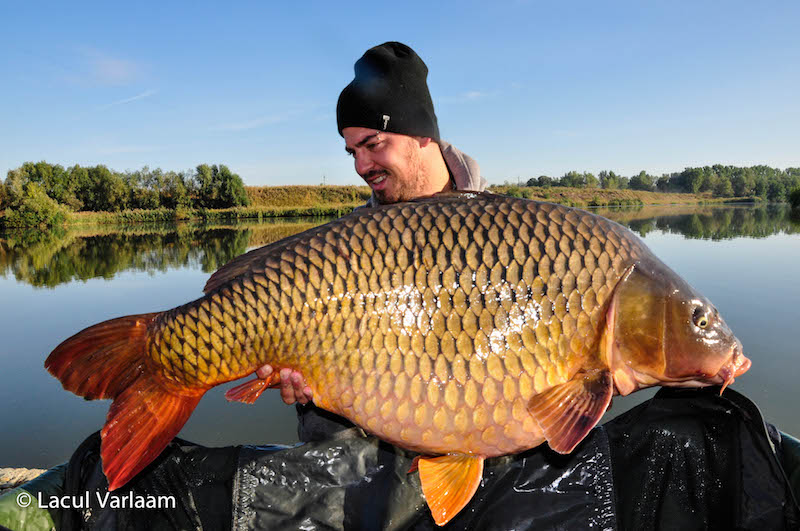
{"x": 293, "y": 385}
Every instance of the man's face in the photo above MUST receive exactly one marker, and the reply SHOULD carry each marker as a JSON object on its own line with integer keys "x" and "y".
{"x": 390, "y": 163}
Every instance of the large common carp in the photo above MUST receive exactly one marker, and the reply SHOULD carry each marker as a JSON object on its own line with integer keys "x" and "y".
{"x": 463, "y": 326}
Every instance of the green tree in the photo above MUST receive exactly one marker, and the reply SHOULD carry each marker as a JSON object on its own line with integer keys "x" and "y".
{"x": 15, "y": 185}
{"x": 543, "y": 180}
{"x": 142, "y": 194}
{"x": 693, "y": 179}
{"x": 776, "y": 191}
{"x": 609, "y": 180}
{"x": 572, "y": 179}
{"x": 84, "y": 188}
{"x": 794, "y": 198}
{"x": 590, "y": 181}
{"x": 3, "y": 196}
{"x": 218, "y": 187}
{"x": 723, "y": 188}
{"x": 642, "y": 181}
{"x": 206, "y": 190}
{"x": 760, "y": 188}
{"x": 743, "y": 182}
{"x": 110, "y": 192}
{"x": 53, "y": 178}
{"x": 174, "y": 193}
{"x": 231, "y": 189}
{"x": 34, "y": 208}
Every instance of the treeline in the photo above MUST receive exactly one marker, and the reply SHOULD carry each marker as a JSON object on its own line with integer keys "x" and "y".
{"x": 770, "y": 184}
{"x": 42, "y": 193}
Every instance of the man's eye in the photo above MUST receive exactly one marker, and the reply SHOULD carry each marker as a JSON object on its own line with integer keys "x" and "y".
{"x": 351, "y": 154}
{"x": 372, "y": 146}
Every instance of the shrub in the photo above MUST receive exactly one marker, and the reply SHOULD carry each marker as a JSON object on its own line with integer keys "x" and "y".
{"x": 514, "y": 191}
{"x": 34, "y": 209}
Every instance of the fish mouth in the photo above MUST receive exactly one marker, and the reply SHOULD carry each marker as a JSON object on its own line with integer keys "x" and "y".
{"x": 738, "y": 365}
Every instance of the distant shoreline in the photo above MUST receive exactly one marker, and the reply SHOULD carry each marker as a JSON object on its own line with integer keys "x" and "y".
{"x": 210, "y": 215}
{"x": 272, "y": 202}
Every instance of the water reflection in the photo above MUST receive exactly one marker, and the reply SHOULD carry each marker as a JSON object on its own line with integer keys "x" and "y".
{"x": 707, "y": 222}
{"x": 61, "y": 256}
{"x": 47, "y": 259}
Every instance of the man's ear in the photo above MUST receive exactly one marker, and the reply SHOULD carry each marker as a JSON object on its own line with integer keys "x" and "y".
{"x": 424, "y": 141}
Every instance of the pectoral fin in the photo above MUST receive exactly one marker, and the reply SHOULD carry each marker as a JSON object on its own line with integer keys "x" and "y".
{"x": 249, "y": 391}
{"x": 567, "y": 412}
{"x": 448, "y": 483}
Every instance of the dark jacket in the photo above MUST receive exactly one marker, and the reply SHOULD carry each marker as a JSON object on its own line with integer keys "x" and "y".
{"x": 686, "y": 459}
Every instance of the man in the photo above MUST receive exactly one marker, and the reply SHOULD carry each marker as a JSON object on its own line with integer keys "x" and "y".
{"x": 620, "y": 472}
{"x": 387, "y": 119}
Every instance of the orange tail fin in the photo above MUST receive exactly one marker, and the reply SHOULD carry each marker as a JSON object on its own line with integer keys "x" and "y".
{"x": 109, "y": 360}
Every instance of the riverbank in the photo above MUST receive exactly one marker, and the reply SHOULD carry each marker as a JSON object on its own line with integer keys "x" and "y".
{"x": 590, "y": 197}
{"x": 269, "y": 202}
{"x": 162, "y": 215}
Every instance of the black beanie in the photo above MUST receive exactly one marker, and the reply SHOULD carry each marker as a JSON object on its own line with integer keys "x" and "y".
{"x": 389, "y": 93}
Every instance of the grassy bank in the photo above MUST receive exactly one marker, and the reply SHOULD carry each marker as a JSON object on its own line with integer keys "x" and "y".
{"x": 583, "y": 197}
{"x": 269, "y": 202}
{"x": 306, "y": 196}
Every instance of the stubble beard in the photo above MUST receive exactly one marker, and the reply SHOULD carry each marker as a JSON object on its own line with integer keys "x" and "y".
{"x": 412, "y": 185}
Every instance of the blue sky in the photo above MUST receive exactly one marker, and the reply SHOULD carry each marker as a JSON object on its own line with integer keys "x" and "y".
{"x": 526, "y": 88}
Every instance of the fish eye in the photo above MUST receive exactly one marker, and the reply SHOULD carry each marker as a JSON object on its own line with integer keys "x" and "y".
{"x": 700, "y": 317}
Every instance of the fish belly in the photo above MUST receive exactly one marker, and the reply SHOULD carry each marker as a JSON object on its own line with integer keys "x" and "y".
{"x": 430, "y": 324}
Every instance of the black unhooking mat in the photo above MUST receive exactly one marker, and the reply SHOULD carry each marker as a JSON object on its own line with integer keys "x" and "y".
{"x": 687, "y": 459}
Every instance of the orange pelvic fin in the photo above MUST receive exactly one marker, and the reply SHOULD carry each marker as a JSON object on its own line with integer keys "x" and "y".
{"x": 448, "y": 483}
{"x": 249, "y": 391}
{"x": 567, "y": 412}
{"x": 109, "y": 360}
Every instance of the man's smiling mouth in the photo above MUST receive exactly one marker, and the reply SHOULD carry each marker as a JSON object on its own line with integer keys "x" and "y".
{"x": 376, "y": 178}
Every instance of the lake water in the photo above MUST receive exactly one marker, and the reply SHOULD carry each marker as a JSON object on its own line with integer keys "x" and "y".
{"x": 745, "y": 259}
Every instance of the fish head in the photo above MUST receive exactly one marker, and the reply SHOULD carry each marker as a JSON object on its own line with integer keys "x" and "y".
{"x": 661, "y": 331}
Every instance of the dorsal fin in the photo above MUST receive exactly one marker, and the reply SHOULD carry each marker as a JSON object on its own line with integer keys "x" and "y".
{"x": 452, "y": 195}
{"x": 245, "y": 262}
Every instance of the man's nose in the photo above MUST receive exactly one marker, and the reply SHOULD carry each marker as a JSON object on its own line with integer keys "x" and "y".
{"x": 363, "y": 163}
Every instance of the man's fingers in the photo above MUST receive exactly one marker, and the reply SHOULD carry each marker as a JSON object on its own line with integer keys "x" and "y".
{"x": 264, "y": 372}
{"x": 293, "y": 386}
{"x": 287, "y": 387}
{"x": 299, "y": 386}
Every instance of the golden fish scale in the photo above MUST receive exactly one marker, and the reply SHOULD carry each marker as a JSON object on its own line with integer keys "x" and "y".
{"x": 430, "y": 324}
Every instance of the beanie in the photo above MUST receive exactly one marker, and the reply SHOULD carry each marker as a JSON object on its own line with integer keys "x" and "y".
{"x": 389, "y": 93}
